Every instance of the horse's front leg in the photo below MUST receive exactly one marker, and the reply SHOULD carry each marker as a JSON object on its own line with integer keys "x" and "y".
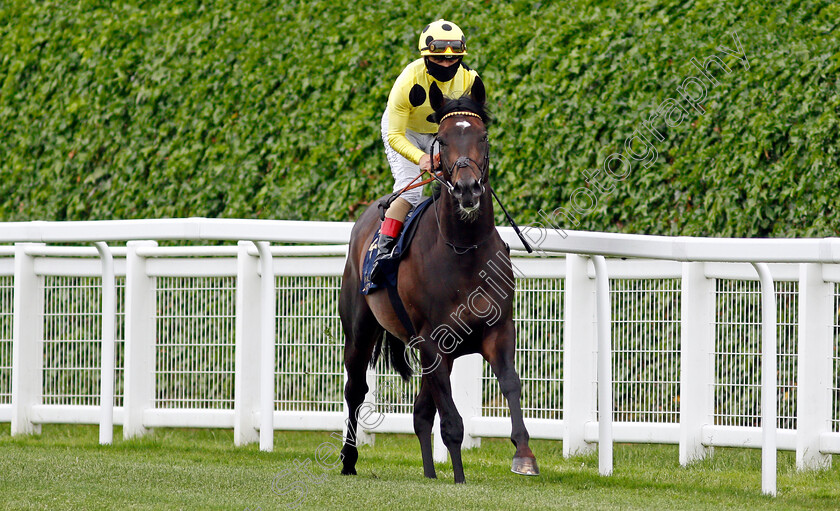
{"x": 424, "y": 418}
{"x": 499, "y": 349}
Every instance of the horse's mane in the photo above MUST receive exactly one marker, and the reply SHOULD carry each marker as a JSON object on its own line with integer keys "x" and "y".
{"x": 465, "y": 102}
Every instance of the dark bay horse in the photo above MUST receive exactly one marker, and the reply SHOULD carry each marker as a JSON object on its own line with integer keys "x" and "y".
{"x": 456, "y": 283}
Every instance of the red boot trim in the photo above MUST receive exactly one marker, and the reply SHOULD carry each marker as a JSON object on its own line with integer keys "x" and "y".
{"x": 391, "y": 227}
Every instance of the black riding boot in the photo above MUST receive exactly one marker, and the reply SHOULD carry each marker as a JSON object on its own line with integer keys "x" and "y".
{"x": 386, "y": 246}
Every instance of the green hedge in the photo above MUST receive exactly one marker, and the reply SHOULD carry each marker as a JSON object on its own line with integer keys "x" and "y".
{"x": 259, "y": 109}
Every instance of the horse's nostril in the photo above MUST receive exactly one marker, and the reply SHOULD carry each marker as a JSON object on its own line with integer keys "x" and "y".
{"x": 476, "y": 188}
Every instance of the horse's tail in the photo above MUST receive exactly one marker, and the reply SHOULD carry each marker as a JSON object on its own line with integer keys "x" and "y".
{"x": 394, "y": 355}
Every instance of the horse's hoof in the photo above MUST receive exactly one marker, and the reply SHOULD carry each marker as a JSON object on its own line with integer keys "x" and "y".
{"x": 525, "y": 467}
{"x": 348, "y": 471}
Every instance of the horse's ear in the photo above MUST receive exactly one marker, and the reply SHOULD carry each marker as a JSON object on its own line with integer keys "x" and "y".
{"x": 435, "y": 97}
{"x": 477, "y": 93}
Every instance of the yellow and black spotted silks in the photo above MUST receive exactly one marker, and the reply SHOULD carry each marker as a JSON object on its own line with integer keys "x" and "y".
{"x": 408, "y": 104}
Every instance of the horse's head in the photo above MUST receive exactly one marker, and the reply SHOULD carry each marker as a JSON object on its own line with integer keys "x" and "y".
{"x": 464, "y": 149}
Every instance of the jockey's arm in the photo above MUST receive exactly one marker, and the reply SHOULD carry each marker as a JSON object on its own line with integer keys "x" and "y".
{"x": 398, "y": 112}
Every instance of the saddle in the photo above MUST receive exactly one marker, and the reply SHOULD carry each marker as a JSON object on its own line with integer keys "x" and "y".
{"x": 387, "y": 272}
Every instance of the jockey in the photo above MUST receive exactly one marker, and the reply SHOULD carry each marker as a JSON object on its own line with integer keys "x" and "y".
{"x": 408, "y": 128}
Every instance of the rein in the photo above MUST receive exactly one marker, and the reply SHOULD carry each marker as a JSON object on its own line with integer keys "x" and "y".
{"x": 461, "y": 162}
{"x": 459, "y": 250}
{"x": 435, "y": 175}
{"x": 465, "y": 161}
{"x": 384, "y": 205}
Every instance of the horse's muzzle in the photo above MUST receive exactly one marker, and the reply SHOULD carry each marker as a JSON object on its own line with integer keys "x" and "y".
{"x": 467, "y": 192}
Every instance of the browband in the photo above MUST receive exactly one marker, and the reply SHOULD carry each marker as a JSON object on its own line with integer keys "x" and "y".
{"x": 450, "y": 114}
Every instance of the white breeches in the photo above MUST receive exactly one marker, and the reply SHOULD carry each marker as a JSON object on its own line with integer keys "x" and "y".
{"x": 403, "y": 170}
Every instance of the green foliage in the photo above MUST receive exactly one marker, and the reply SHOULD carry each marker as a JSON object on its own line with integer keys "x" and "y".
{"x": 267, "y": 109}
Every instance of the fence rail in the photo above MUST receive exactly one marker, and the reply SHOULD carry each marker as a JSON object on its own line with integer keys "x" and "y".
{"x": 683, "y": 350}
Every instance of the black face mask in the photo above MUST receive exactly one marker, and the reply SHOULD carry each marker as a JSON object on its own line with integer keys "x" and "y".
{"x": 442, "y": 73}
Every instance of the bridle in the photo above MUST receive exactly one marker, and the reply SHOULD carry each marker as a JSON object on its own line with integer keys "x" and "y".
{"x": 462, "y": 161}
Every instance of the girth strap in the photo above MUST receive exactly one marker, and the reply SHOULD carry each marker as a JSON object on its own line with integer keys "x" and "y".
{"x": 399, "y": 308}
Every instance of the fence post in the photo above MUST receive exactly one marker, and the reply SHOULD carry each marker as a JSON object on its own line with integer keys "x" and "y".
{"x": 605, "y": 379}
{"x": 361, "y": 436}
{"x": 816, "y": 309}
{"x": 109, "y": 312}
{"x": 466, "y": 392}
{"x": 268, "y": 336}
{"x": 27, "y": 342}
{"x": 140, "y": 335}
{"x": 697, "y": 347}
{"x": 246, "y": 393}
{"x": 440, "y": 454}
{"x": 579, "y": 343}
{"x": 769, "y": 380}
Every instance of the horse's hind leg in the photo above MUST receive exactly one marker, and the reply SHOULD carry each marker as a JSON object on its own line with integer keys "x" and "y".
{"x": 499, "y": 349}
{"x": 424, "y": 418}
{"x": 360, "y": 331}
{"x": 451, "y": 423}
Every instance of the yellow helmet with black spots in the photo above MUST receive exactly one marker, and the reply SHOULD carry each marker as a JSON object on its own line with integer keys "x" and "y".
{"x": 442, "y": 38}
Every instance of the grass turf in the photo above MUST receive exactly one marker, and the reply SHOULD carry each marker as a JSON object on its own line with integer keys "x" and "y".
{"x": 65, "y": 468}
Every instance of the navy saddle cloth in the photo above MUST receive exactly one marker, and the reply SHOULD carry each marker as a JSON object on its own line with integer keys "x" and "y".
{"x": 388, "y": 267}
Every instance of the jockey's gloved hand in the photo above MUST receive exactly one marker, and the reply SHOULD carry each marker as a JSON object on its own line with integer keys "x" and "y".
{"x": 426, "y": 163}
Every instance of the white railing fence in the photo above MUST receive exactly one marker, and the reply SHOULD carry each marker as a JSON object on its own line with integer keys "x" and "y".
{"x": 247, "y": 337}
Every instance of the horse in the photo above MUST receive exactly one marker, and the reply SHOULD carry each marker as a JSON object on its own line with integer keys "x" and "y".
{"x": 456, "y": 283}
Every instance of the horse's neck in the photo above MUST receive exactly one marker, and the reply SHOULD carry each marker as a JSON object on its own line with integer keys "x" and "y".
{"x": 460, "y": 232}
